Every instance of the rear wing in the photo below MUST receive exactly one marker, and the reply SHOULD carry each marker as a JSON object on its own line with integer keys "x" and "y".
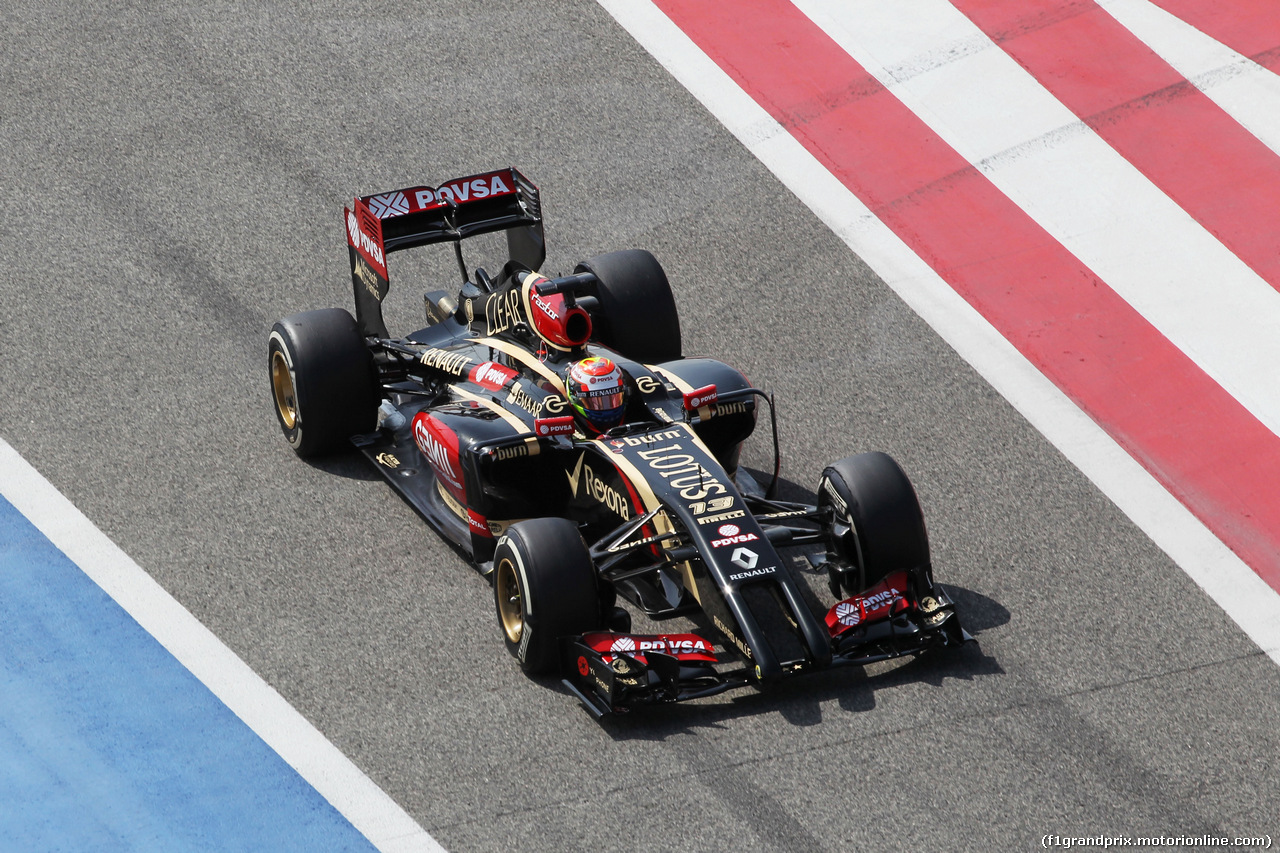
{"x": 379, "y": 224}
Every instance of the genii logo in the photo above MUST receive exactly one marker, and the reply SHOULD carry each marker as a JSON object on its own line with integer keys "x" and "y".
{"x": 439, "y": 445}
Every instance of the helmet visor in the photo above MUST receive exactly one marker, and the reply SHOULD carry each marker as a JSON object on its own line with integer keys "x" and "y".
{"x": 604, "y": 400}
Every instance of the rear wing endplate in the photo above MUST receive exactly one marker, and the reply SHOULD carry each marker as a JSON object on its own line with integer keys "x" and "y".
{"x": 388, "y": 222}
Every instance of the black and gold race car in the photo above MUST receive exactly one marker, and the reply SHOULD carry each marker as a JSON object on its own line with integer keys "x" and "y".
{"x": 469, "y": 420}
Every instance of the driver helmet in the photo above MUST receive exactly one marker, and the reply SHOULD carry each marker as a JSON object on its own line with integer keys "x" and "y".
{"x": 598, "y": 393}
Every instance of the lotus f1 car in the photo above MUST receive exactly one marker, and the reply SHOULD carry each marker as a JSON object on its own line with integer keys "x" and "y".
{"x": 468, "y": 419}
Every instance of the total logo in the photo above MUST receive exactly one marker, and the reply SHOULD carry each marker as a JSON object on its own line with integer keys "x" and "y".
{"x": 479, "y": 524}
{"x": 731, "y": 534}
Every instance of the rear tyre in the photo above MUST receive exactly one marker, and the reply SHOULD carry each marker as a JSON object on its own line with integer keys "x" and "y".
{"x": 322, "y": 380}
{"x": 544, "y": 587}
{"x": 637, "y": 315}
{"x": 877, "y": 525}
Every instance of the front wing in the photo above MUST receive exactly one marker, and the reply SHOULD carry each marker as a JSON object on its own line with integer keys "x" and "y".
{"x": 615, "y": 673}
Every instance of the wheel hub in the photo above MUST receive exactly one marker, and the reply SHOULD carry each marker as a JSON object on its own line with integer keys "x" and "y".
{"x": 510, "y": 609}
{"x": 282, "y": 387}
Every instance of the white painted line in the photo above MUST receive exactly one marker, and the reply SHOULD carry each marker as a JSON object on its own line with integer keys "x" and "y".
{"x": 1245, "y": 90}
{"x": 1150, "y": 251}
{"x": 368, "y": 808}
{"x": 1246, "y": 599}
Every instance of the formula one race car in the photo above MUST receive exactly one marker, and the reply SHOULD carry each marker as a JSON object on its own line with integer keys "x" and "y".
{"x": 552, "y": 429}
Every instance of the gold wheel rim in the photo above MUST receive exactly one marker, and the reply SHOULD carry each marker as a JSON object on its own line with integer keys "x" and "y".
{"x": 282, "y": 386}
{"x": 510, "y": 610}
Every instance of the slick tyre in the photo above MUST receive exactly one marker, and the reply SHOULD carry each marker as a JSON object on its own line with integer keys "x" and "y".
{"x": 877, "y": 525}
{"x": 637, "y": 314}
{"x": 544, "y": 588}
{"x": 322, "y": 380}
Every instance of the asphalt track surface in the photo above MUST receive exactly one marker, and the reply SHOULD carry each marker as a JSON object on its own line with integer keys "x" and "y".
{"x": 173, "y": 183}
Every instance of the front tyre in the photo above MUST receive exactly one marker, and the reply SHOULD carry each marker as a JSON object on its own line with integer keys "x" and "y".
{"x": 322, "y": 380}
{"x": 877, "y": 525}
{"x": 544, "y": 587}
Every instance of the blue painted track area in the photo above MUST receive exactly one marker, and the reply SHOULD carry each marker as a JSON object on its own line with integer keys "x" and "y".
{"x": 108, "y": 743}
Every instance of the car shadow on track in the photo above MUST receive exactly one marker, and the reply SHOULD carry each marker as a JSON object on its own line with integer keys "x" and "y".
{"x": 807, "y": 700}
{"x": 803, "y": 701}
{"x": 786, "y": 490}
{"x": 352, "y": 465}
